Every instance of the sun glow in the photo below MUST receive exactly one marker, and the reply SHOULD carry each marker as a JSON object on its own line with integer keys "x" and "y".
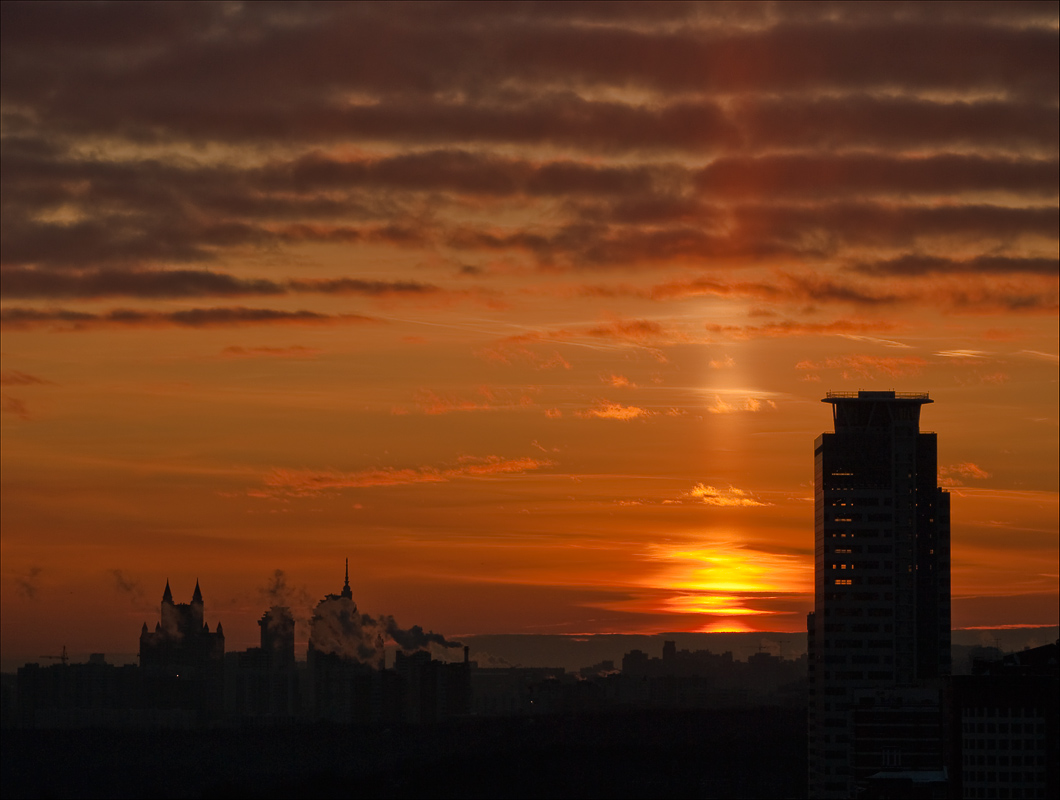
{"x": 723, "y": 579}
{"x": 730, "y": 605}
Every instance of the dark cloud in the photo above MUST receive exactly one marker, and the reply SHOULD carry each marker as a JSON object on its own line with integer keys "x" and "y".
{"x": 818, "y": 132}
{"x": 361, "y": 287}
{"x": 256, "y": 60}
{"x": 130, "y": 283}
{"x": 913, "y": 264}
{"x": 887, "y": 121}
{"x": 64, "y": 319}
{"x": 865, "y": 175}
{"x": 794, "y": 328}
{"x": 127, "y": 586}
{"x": 28, "y": 584}
{"x": 173, "y": 283}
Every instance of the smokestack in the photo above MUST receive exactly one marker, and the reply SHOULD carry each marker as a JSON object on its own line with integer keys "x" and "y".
{"x": 466, "y": 649}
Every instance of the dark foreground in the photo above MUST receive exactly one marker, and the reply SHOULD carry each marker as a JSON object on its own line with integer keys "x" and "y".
{"x": 720, "y": 753}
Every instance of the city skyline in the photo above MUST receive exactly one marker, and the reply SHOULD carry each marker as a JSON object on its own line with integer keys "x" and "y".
{"x": 526, "y": 310}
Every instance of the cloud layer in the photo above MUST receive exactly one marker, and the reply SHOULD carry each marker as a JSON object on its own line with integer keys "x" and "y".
{"x": 706, "y": 137}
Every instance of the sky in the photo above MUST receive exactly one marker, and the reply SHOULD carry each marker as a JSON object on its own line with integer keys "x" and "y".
{"x": 525, "y": 309}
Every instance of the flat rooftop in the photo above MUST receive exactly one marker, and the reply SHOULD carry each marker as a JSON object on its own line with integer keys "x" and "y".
{"x": 915, "y": 397}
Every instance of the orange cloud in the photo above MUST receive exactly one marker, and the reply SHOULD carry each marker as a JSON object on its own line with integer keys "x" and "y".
{"x": 433, "y": 404}
{"x": 641, "y": 332}
{"x": 608, "y": 410}
{"x": 868, "y": 366}
{"x": 507, "y": 354}
{"x": 731, "y": 497}
{"x": 308, "y": 483}
{"x": 838, "y": 327}
{"x": 952, "y": 475}
{"x": 747, "y": 404}
{"x": 619, "y": 381}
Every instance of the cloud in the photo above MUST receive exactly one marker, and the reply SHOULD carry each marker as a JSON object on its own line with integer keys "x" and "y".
{"x": 508, "y": 353}
{"x": 838, "y": 327}
{"x": 1037, "y": 354}
{"x": 608, "y": 410}
{"x": 972, "y": 294}
{"x": 15, "y": 407}
{"x": 27, "y": 283}
{"x": 861, "y": 175}
{"x": 868, "y": 366}
{"x": 785, "y": 287}
{"x": 913, "y": 264}
{"x": 619, "y": 381}
{"x": 642, "y": 332}
{"x": 19, "y": 282}
{"x": 19, "y": 318}
{"x": 16, "y": 378}
{"x": 292, "y": 351}
{"x": 839, "y": 148}
{"x": 308, "y": 483}
{"x": 127, "y": 586}
{"x": 955, "y": 474}
{"x": 466, "y": 172}
{"x": 720, "y": 406}
{"x": 27, "y": 585}
{"x": 488, "y": 399}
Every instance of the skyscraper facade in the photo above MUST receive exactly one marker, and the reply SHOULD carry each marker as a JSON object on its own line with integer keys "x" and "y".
{"x": 881, "y": 619}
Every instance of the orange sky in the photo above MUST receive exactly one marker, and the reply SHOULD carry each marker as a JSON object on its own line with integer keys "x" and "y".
{"x": 527, "y": 310}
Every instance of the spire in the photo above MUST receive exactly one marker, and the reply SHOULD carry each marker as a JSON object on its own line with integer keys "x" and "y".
{"x": 197, "y": 597}
{"x": 167, "y": 595}
{"x": 346, "y": 590}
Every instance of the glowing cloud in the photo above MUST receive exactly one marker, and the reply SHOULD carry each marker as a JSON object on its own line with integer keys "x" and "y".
{"x": 719, "y": 406}
{"x": 609, "y": 410}
{"x": 731, "y": 497}
{"x": 952, "y": 475}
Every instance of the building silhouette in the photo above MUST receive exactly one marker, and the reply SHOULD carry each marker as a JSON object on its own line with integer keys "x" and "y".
{"x": 1005, "y": 726}
{"x": 879, "y": 635}
{"x": 262, "y": 682}
{"x": 182, "y": 661}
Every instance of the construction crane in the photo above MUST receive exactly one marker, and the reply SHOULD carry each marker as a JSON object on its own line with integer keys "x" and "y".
{"x": 62, "y": 657}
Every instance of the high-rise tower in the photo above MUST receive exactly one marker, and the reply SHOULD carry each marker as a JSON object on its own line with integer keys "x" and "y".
{"x": 881, "y": 619}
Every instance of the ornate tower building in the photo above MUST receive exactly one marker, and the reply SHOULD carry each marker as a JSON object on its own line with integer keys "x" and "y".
{"x": 181, "y": 659}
